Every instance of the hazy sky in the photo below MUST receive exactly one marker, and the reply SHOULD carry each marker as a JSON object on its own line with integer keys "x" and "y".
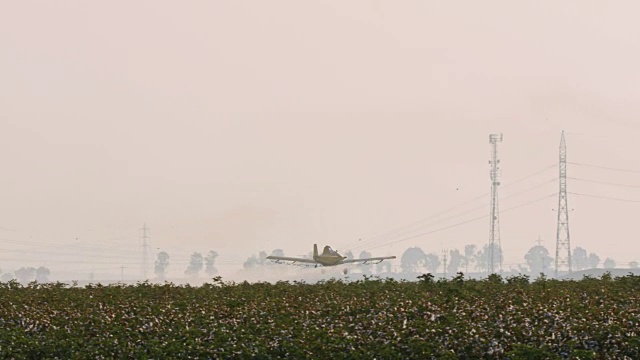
{"x": 241, "y": 126}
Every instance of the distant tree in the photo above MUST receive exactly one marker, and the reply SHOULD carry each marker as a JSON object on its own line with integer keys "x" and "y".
{"x": 594, "y": 260}
{"x": 523, "y": 269}
{"x": 262, "y": 257}
{"x": 162, "y": 265}
{"x": 6, "y": 277}
{"x": 251, "y": 262}
{"x": 366, "y": 268}
{"x": 634, "y": 265}
{"x": 432, "y": 262}
{"x": 609, "y": 263}
{"x": 480, "y": 259}
{"x": 455, "y": 261}
{"x": 42, "y": 274}
{"x": 349, "y": 254}
{"x": 483, "y": 258}
{"x": 469, "y": 256}
{"x": 25, "y": 274}
{"x": 412, "y": 259}
{"x": 209, "y": 261}
{"x": 277, "y": 252}
{"x": 195, "y": 264}
{"x": 579, "y": 259}
{"x": 538, "y": 260}
{"x": 383, "y": 267}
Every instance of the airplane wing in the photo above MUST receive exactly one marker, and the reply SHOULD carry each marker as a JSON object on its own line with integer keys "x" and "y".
{"x": 295, "y": 260}
{"x": 366, "y": 260}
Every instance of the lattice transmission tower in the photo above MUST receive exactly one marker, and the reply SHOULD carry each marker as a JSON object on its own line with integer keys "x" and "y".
{"x": 144, "y": 236}
{"x": 494, "y": 224}
{"x": 563, "y": 244}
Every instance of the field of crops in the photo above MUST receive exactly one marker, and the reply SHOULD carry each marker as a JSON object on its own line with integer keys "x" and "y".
{"x": 369, "y": 318}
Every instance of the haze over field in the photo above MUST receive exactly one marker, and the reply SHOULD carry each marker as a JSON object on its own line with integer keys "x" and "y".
{"x": 247, "y": 126}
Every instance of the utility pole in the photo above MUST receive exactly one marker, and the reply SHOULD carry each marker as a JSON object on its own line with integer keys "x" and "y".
{"x": 494, "y": 232}
{"x": 145, "y": 250}
{"x": 563, "y": 244}
{"x": 122, "y": 273}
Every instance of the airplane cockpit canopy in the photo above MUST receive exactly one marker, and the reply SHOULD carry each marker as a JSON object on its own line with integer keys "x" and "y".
{"x": 329, "y": 251}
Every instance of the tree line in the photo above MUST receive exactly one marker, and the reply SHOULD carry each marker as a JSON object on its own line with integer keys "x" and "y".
{"x": 197, "y": 263}
{"x": 28, "y": 274}
{"x": 471, "y": 259}
{"x": 413, "y": 260}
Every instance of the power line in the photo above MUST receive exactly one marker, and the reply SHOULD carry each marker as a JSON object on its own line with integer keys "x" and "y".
{"x": 530, "y": 175}
{"x": 605, "y": 167}
{"x": 415, "y": 223}
{"x": 72, "y": 246}
{"x": 408, "y": 231}
{"x": 605, "y": 183}
{"x": 530, "y": 188}
{"x": 79, "y": 262}
{"x": 403, "y": 229}
{"x": 118, "y": 263}
{"x": 438, "y": 221}
{"x": 127, "y": 256}
{"x": 462, "y": 223}
{"x": 53, "y": 253}
{"x": 605, "y": 197}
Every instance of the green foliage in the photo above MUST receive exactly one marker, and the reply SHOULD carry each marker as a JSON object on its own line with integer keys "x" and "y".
{"x": 528, "y": 352}
{"x": 583, "y": 355}
{"x": 520, "y": 280}
{"x": 368, "y": 318}
{"x": 494, "y": 279}
{"x": 426, "y": 278}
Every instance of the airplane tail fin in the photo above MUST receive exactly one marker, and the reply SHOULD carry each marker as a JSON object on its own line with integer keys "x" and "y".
{"x": 315, "y": 251}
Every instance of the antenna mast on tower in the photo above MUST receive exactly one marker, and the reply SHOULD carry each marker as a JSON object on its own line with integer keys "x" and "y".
{"x": 563, "y": 245}
{"x": 494, "y": 233}
{"x": 145, "y": 250}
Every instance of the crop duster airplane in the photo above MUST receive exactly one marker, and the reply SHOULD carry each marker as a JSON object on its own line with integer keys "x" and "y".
{"x": 329, "y": 257}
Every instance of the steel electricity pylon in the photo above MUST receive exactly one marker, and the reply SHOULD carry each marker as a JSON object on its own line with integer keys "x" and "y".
{"x": 494, "y": 225}
{"x": 563, "y": 243}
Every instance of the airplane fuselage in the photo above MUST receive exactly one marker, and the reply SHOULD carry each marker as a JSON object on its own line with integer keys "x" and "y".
{"x": 329, "y": 260}
{"x": 329, "y": 257}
